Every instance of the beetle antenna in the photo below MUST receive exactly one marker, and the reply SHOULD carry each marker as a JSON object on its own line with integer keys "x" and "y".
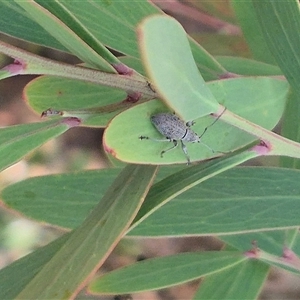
{"x": 219, "y": 116}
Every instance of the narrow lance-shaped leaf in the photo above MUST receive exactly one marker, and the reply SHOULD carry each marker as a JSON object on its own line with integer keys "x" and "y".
{"x": 252, "y": 31}
{"x": 241, "y": 281}
{"x": 40, "y": 198}
{"x": 65, "y": 36}
{"x": 239, "y": 200}
{"x": 15, "y": 22}
{"x": 280, "y": 24}
{"x": 15, "y": 277}
{"x": 114, "y": 32}
{"x": 17, "y": 141}
{"x": 163, "y": 272}
{"x": 89, "y": 244}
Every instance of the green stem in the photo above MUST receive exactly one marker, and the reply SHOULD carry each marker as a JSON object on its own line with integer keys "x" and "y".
{"x": 37, "y": 65}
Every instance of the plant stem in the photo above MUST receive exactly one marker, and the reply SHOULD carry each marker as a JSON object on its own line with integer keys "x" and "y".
{"x": 37, "y": 65}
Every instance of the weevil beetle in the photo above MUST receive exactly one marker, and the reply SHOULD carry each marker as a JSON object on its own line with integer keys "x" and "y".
{"x": 174, "y": 129}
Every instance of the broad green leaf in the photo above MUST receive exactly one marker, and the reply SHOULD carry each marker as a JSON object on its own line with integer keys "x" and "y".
{"x": 263, "y": 103}
{"x": 162, "y": 272}
{"x": 174, "y": 185}
{"x": 169, "y": 62}
{"x": 94, "y": 239}
{"x": 65, "y": 36}
{"x": 280, "y": 24}
{"x": 15, "y": 277}
{"x": 241, "y": 281}
{"x": 247, "y": 18}
{"x": 41, "y": 197}
{"x": 211, "y": 207}
{"x": 59, "y": 199}
{"x": 236, "y": 201}
{"x": 18, "y": 140}
{"x": 79, "y": 98}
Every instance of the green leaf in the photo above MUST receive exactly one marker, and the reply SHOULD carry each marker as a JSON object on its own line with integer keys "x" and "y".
{"x": 280, "y": 24}
{"x": 252, "y": 31}
{"x": 79, "y": 98}
{"x": 15, "y": 22}
{"x": 174, "y": 73}
{"x": 65, "y": 36}
{"x": 241, "y": 281}
{"x": 163, "y": 272}
{"x": 94, "y": 239}
{"x": 174, "y": 185}
{"x": 290, "y": 127}
{"x": 209, "y": 67}
{"x": 121, "y": 16}
{"x": 15, "y": 277}
{"x": 263, "y": 103}
{"x": 41, "y": 197}
{"x": 225, "y": 204}
{"x": 17, "y": 141}
{"x": 100, "y": 17}
{"x": 65, "y": 15}
{"x": 236, "y": 201}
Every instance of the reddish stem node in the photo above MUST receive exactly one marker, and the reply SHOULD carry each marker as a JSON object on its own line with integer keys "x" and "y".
{"x": 17, "y": 67}
{"x": 263, "y": 148}
{"x": 122, "y": 69}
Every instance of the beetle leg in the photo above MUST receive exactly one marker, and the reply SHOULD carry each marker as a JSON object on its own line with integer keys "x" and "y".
{"x": 184, "y": 149}
{"x": 212, "y": 150}
{"x": 155, "y": 140}
{"x": 218, "y": 117}
{"x": 164, "y": 151}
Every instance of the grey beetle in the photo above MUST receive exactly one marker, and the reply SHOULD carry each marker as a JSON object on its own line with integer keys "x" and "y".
{"x": 174, "y": 130}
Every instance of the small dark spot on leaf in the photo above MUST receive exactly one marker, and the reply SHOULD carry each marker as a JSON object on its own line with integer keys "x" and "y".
{"x": 29, "y": 194}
